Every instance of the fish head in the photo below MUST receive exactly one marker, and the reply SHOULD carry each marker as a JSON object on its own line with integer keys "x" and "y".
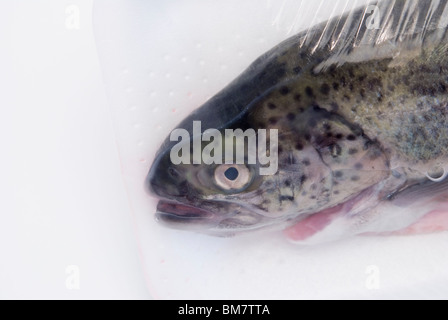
{"x": 215, "y": 197}
{"x": 221, "y": 198}
{"x": 319, "y": 160}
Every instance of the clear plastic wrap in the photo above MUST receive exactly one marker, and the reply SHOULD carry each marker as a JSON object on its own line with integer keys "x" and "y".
{"x": 161, "y": 61}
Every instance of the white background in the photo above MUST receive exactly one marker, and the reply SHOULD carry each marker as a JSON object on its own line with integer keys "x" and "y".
{"x": 63, "y": 201}
{"x": 81, "y": 119}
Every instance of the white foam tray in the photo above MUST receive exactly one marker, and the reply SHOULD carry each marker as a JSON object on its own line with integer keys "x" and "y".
{"x": 163, "y": 59}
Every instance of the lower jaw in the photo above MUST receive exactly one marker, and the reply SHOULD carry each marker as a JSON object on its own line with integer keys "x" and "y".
{"x": 179, "y": 222}
{"x": 183, "y": 217}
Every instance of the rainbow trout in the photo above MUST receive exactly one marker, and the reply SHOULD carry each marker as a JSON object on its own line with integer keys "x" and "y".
{"x": 352, "y": 116}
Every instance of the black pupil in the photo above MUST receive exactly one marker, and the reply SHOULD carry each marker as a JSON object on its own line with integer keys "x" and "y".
{"x": 231, "y": 174}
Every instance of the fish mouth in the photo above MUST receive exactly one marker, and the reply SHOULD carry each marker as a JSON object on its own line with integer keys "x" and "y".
{"x": 181, "y": 215}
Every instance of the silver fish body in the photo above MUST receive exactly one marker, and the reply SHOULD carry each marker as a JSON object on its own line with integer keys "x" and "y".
{"x": 361, "y": 110}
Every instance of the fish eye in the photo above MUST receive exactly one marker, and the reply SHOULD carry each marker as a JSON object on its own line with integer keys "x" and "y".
{"x": 232, "y": 177}
{"x": 231, "y": 174}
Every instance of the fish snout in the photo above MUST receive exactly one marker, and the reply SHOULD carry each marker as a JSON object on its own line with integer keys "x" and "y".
{"x": 164, "y": 180}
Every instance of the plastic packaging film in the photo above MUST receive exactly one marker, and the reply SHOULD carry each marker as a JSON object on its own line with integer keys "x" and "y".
{"x": 161, "y": 61}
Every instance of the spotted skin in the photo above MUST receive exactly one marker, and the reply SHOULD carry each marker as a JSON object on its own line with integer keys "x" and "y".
{"x": 362, "y": 116}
